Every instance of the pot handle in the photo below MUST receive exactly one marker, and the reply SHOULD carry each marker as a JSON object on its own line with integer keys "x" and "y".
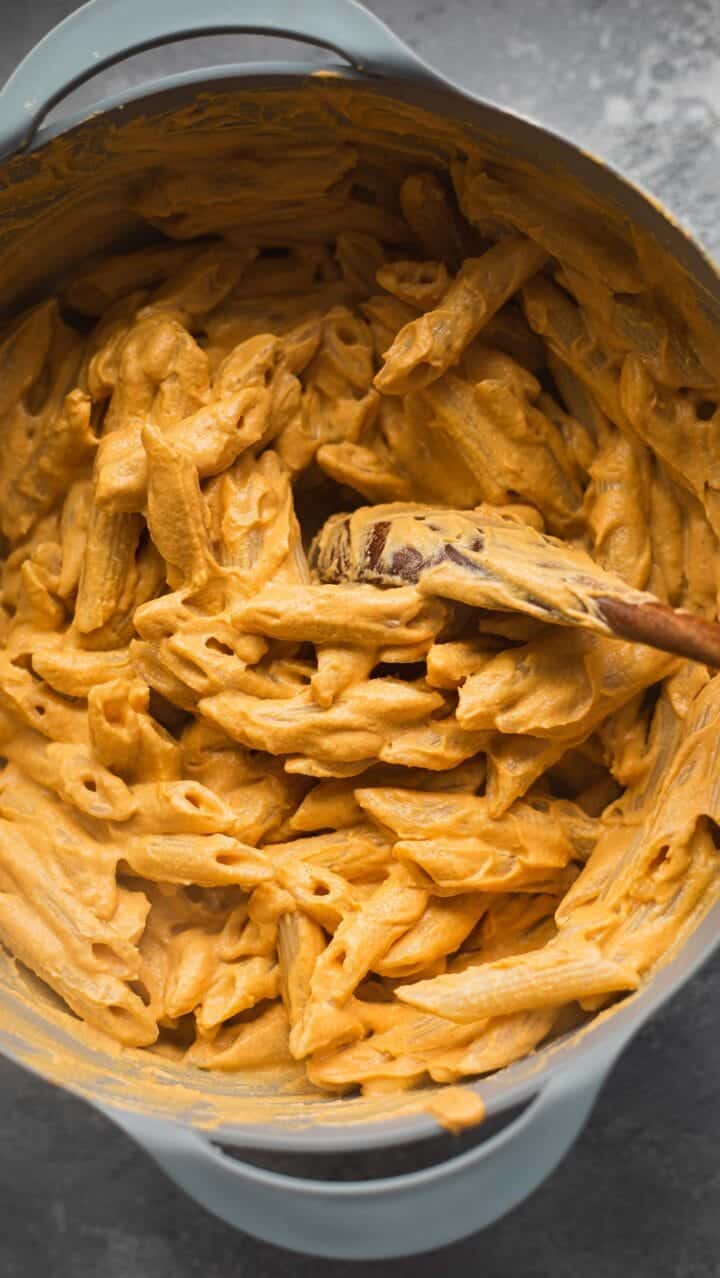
{"x": 396, "y": 1216}
{"x": 104, "y": 32}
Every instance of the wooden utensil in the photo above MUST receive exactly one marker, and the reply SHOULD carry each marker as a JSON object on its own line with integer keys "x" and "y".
{"x": 491, "y": 561}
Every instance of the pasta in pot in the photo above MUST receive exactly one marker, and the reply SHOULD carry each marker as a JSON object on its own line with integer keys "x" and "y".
{"x": 394, "y": 790}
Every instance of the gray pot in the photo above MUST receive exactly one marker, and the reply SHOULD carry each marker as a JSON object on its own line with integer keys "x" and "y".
{"x": 186, "y": 1120}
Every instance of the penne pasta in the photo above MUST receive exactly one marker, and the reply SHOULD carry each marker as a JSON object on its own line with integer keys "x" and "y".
{"x": 368, "y": 795}
{"x": 429, "y": 212}
{"x": 339, "y": 401}
{"x": 252, "y": 1044}
{"x": 586, "y": 246}
{"x": 210, "y": 860}
{"x": 427, "y": 347}
{"x": 546, "y": 978}
{"x": 360, "y": 940}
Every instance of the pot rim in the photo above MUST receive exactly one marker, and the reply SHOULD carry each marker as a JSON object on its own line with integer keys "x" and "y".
{"x": 647, "y": 209}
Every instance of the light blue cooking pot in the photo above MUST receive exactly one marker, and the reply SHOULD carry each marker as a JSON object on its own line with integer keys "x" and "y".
{"x": 189, "y": 1121}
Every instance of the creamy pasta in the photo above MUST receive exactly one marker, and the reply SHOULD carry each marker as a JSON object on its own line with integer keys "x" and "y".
{"x": 332, "y": 531}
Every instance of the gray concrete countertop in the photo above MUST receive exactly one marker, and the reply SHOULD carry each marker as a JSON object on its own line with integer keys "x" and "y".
{"x": 639, "y": 82}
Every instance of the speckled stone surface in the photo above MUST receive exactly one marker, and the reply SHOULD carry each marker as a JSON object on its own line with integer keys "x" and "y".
{"x": 639, "y": 82}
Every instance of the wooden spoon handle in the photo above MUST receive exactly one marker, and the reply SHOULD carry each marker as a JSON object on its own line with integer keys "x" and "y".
{"x": 670, "y": 629}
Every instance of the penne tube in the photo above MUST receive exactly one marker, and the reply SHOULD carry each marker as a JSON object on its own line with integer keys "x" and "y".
{"x": 676, "y": 427}
{"x": 506, "y": 1039}
{"x": 178, "y": 807}
{"x": 199, "y": 284}
{"x": 531, "y": 466}
{"x": 245, "y": 937}
{"x": 618, "y": 508}
{"x": 77, "y": 849}
{"x": 509, "y": 331}
{"x": 261, "y": 807}
{"x": 37, "y": 706}
{"x": 336, "y": 615}
{"x": 386, "y": 316}
{"x": 154, "y": 373}
{"x": 450, "y": 664}
{"x": 467, "y": 865}
{"x": 268, "y": 902}
{"x": 166, "y": 675}
{"x": 177, "y": 519}
{"x": 79, "y": 940}
{"x": 125, "y": 737}
{"x": 236, "y": 987}
{"x": 322, "y": 894}
{"x": 196, "y": 661}
{"x": 74, "y": 774}
{"x": 360, "y": 940}
{"x": 420, "y": 284}
{"x": 330, "y": 805}
{"x": 38, "y": 614}
{"x": 338, "y": 668}
{"x": 670, "y": 804}
{"x": 629, "y": 324}
{"x": 547, "y": 689}
{"x": 304, "y": 765}
{"x": 103, "y": 1000}
{"x": 353, "y": 729}
{"x": 191, "y": 967}
{"x": 439, "y": 746}
{"x": 96, "y": 287}
{"x": 428, "y": 346}
{"x": 31, "y": 551}
{"x": 27, "y": 353}
{"x": 434, "y": 220}
{"x": 53, "y": 444}
{"x": 580, "y": 441}
{"x": 144, "y": 578}
{"x": 211, "y": 438}
{"x": 253, "y": 397}
{"x": 554, "y": 316}
{"x": 297, "y": 319}
{"x": 441, "y": 930}
{"x": 368, "y": 468}
{"x": 697, "y": 583}
{"x": 339, "y": 401}
{"x": 252, "y": 1044}
{"x": 606, "y": 674}
{"x": 254, "y": 528}
{"x": 413, "y": 1048}
{"x": 359, "y": 257}
{"x": 74, "y": 672}
{"x": 108, "y": 566}
{"x": 512, "y": 923}
{"x": 360, "y": 854}
{"x": 545, "y": 978}
{"x": 64, "y": 444}
{"x": 301, "y": 941}
{"x": 578, "y": 241}
{"x": 210, "y": 860}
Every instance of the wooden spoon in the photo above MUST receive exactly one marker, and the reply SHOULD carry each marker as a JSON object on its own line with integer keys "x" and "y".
{"x": 488, "y": 560}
